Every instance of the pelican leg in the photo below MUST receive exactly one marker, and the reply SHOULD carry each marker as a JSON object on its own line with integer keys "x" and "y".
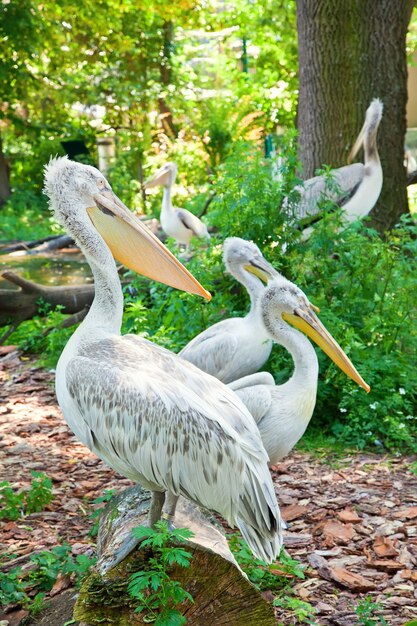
{"x": 168, "y": 511}
{"x": 155, "y": 510}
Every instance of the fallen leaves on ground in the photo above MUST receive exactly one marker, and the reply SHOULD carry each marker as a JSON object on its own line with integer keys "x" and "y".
{"x": 352, "y": 521}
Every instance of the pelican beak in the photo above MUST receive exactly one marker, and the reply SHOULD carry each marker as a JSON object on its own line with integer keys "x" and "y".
{"x": 134, "y": 245}
{"x": 160, "y": 178}
{"x": 357, "y": 145}
{"x": 307, "y": 321}
{"x": 262, "y": 269}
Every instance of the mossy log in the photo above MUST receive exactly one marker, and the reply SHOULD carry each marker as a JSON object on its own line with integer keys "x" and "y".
{"x": 222, "y": 594}
{"x": 22, "y": 304}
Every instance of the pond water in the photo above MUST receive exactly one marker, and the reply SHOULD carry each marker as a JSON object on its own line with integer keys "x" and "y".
{"x": 52, "y": 270}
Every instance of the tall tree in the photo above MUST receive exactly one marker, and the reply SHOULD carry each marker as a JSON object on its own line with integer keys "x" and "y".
{"x": 351, "y": 51}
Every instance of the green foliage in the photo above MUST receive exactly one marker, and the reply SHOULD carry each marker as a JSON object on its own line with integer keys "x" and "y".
{"x": 302, "y": 611}
{"x": 158, "y": 595}
{"x": 32, "y": 336}
{"x": 12, "y": 588}
{"x": 40, "y": 493}
{"x": 363, "y": 286}
{"x": 15, "y": 504}
{"x": 246, "y": 188}
{"x": 47, "y": 565}
{"x": 276, "y": 576}
{"x": 368, "y": 613}
{"x": 20, "y": 216}
{"x": 95, "y": 515}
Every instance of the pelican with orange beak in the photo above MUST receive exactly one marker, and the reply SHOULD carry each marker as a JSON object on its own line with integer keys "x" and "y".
{"x": 282, "y": 412}
{"x": 150, "y": 415}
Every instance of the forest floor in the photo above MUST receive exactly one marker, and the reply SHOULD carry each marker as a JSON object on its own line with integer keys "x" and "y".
{"x": 352, "y": 518}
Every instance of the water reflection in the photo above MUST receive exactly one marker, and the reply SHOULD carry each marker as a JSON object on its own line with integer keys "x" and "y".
{"x": 53, "y": 270}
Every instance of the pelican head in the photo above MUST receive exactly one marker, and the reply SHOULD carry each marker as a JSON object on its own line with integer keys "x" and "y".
{"x": 369, "y": 129}
{"x": 81, "y": 198}
{"x": 283, "y": 301}
{"x": 241, "y": 255}
{"x": 164, "y": 177}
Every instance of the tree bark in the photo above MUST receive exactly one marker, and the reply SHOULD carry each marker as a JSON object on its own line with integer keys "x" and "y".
{"x": 222, "y": 595}
{"x": 351, "y": 51}
{"x": 165, "y": 70}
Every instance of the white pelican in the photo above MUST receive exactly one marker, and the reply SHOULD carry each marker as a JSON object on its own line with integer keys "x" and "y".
{"x": 282, "y": 412}
{"x": 359, "y": 184}
{"x": 177, "y": 223}
{"x": 151, "y": 416}
{"x": 237, "y": 346}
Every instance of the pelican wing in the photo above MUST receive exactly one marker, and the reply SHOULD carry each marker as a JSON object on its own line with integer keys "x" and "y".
{"x": 259, "y": 378}
{"x": 347, "y": 179}
{"x": 160, "y": 421}
{"x": 255, "y": 393}
{"x": 215, "y": 350}
{"x": 193, "y": 223}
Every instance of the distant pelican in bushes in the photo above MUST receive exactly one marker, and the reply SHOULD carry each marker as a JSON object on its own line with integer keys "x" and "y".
{"x": 180, "y": 224}
{"x": 237, "y": 346}
{"x": 359, "y": 184}
{"x": 282, "y": 412}
{"x": 150, "y": 415}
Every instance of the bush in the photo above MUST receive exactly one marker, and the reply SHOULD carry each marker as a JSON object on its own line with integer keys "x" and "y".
{"x": 363, "y": 285}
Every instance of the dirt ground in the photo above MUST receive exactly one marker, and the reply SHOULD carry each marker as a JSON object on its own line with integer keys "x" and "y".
{"x": 352, "y": 520}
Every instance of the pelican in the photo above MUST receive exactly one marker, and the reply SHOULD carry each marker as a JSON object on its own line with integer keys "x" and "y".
{"x": 150, "y": 415}
{"x": 358, "y": 184}
{"x": 177, "y": 223}
{"x": 237, "y": 346}
{"x": 282, "y": 412}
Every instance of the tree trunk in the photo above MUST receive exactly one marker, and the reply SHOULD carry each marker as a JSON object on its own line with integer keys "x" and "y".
{"x": 166, "y": 79}
{"x": 4, "y": 176}
{"x": 222, "y": 594}
{"x": 350, "y": 52}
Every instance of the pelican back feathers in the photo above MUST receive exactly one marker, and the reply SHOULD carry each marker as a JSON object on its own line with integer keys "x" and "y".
{"x": 168, "y": 432}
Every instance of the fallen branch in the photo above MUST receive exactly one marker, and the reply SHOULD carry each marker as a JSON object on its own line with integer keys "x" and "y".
{"x": 39, "y": 246}
{"x": 19, "y": 305}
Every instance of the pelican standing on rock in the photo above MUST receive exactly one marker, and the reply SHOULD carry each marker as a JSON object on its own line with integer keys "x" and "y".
{"x": 237, "y": 346}
{"x": 180, "y": 224}
{"x": 358, "y": 184}
{"x": 282, "y": 412}
{"x": 151, "y": 416}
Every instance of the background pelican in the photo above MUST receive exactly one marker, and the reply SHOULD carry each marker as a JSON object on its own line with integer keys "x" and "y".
{"x": 177, "y": 223}
{"x": 282, "y": 412}
{"x": 151, "y": 416}
{"x": 357, "y": 185}
{"x": 236, "y": 346}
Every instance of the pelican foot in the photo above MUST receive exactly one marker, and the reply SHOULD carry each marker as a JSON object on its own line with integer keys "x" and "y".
{"x": 169, "y": 519}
